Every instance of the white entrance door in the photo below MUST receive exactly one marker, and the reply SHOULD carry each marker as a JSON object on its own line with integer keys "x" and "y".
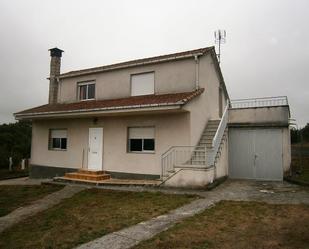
{"x": 95, "y": 151}
{"x": 255, "y": 154}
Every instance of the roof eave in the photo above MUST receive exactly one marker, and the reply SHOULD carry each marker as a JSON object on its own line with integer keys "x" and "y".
{"x": 101, "y": 111}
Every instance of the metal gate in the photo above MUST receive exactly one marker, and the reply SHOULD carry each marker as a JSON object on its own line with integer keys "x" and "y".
{"x": 255, "y": 154}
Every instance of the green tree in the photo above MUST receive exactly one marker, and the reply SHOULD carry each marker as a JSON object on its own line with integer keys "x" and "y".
{"x": 15, "y": 141}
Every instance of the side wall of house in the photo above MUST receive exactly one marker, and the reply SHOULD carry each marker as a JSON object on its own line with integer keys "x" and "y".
{"x": 206, "y": 106}
{"x": 170, "y": 129}
{"x": 170, "y": 77}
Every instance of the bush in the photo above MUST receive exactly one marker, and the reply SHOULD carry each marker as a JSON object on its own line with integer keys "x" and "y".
{"x": 300, "y": 135}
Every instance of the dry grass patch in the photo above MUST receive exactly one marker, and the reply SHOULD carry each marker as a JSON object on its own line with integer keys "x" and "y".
{"x": 239, "y": 225}
{"x": 13, "y": 197}
{"x": 87, "y": 215}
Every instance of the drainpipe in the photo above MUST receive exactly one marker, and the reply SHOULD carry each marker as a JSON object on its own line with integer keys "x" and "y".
{"x": 196, "y": 72}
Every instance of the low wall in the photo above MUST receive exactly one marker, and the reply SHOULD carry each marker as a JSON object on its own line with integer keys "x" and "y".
{"x": 190, "y": 178}
{"x": 276, "y": 115}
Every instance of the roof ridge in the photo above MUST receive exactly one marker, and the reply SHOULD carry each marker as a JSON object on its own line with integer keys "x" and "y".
{"x": 153, "y": 59}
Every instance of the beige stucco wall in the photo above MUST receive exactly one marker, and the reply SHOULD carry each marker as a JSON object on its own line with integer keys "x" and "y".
{"x": 259, "y": 115}
{"x": 170, "y": 77}
{"x": 191, "y": 178}
{"x": 206, "y": 106}
{"x": 170, "y": 130}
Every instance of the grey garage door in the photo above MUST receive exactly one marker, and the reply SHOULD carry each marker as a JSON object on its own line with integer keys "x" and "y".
{"x": 255, "y": 154}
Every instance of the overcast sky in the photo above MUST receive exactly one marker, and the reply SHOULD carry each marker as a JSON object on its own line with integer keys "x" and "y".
{"x": 266, "y": 53}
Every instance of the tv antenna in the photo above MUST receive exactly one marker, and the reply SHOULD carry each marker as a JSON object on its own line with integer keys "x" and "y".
{"x": 220, "y": 38}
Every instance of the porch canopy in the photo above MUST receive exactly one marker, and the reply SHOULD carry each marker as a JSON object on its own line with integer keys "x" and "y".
{"x": 136, "y": 104}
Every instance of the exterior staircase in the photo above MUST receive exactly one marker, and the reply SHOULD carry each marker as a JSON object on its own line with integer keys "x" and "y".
{"x": 205, "y": 155}
{"x": 87, "y": 175}
{"x": 208, "y": 136}
{"x": 199, "y": 153}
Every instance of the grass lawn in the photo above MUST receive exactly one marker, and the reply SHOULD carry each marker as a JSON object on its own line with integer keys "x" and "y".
{"x": 239, "y": 225}
{"x": 6, "y": 174}
{"x": 12, "y": 197}
{"x": 88, "y": 215}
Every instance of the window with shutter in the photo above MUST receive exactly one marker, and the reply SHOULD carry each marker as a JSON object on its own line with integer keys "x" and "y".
{"x": 58, "y": 139}
{"x": 142, "y": 84}
{"x": 141, "y": 139}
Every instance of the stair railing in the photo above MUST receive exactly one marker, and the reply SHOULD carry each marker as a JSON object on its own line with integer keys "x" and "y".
{"x": 216, "y": 141}
{"x": 182, "y": 156}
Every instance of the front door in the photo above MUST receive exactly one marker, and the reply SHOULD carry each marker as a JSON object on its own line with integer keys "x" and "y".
{"x": 95, "y": 151}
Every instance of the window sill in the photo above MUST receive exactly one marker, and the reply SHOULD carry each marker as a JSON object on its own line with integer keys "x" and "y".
{"x": 86, "y": 99}
{"x": 141, "y": 152}
{"x": 54, "y": 149}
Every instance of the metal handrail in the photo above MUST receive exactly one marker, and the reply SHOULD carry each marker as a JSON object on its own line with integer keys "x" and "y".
{"x": 216, "y": 141}
{"x": 181, "y": 156}
{"x": 260, "y": 102}
{"x": 221, "y": 124}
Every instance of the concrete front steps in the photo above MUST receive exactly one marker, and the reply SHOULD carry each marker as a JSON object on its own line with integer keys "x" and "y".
{"x": 88, "y": 175}
{"x": 101, "y": 178}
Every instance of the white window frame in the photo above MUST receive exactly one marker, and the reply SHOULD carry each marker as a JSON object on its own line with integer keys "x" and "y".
{"x": 141, "y": 151}
{"x": 50, "y": 139}
{"x": 140, "y": 74}
{"x": 86, "y": 83}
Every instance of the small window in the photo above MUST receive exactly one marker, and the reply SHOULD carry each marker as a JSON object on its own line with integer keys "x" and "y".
{"x": 142, "y": 84}
{"x": 141, "y": 139}
{"x": 86, "y": 90}
{"x": 58, "y": 139}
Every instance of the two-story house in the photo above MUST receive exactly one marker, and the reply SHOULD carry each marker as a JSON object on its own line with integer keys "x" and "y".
{"x": 163, "y": 117}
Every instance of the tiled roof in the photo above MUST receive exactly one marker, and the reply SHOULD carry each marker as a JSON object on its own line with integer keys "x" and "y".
{"x": 150, "y": 60}
{"x": 112, "y": 104}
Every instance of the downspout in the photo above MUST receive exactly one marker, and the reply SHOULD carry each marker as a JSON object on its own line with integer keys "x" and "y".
{"x": 196, "y": 72}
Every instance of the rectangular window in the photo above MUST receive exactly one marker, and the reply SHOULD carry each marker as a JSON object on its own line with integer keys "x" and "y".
{"x": 142, "y": 84}
{"x": 86, "y": 90}
{"x": 58, "y": 139}
{"x": 141, "y": 139}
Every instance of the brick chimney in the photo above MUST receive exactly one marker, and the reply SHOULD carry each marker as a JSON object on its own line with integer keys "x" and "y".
{"x": 55, "y": 63}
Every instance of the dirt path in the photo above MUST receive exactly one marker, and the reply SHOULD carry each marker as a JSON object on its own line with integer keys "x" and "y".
{"x": 37, "y": 206}
{"x": 270, "y": 192}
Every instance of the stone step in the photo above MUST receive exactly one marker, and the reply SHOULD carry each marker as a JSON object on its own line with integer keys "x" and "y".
{"x": 206, "y": 139}
{"x": 89, "y": 177}
{"x": 91, "y": 172}
{"x": 205, "y": 143}
{"x": 210, "y": 130}
{"x": 110, "y": 182}
{"x": 212, "y": 126}
{"x": 213, "y": 122}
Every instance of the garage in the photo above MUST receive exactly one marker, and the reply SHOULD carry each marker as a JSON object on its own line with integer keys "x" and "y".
{"x": 256, "y": 153}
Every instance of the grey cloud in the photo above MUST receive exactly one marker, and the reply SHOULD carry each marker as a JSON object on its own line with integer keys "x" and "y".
{"x": 266, "y": 53}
